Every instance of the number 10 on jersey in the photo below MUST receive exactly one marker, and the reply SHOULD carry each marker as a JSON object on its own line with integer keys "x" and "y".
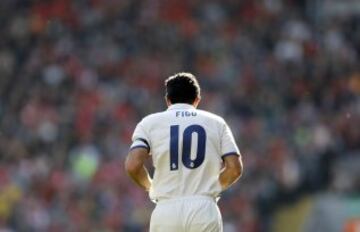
{"x": 186, "y": 146}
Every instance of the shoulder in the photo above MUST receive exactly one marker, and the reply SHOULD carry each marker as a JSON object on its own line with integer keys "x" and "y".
{"x": 211, "y": 116}
{"x": 152, "y": 118}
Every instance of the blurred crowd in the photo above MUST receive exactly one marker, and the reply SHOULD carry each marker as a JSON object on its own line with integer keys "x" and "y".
{"x": 77, "y": 75}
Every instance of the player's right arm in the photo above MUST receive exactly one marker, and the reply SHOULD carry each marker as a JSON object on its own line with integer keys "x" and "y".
{"x": 138, "y": 154}
{"x": 134, "y": 166}
{"x": 232, "y": 170}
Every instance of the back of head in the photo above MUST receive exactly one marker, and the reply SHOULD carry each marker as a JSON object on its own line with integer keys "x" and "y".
{"x": 182, "y": 88}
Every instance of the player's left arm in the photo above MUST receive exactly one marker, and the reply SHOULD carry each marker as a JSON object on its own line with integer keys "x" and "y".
{"x": 233, "y": 166}
{"x": 134, "y": 166}
{"x": 232, "y": 170}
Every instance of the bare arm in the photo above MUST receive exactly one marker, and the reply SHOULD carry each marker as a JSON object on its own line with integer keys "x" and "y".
{"x": 231, "y": 172}
{"x": 134, "y": 166}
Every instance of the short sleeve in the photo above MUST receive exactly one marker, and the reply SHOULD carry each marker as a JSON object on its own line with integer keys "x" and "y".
{"x": 228, "y": 144}
{"x": 140, "y": 138}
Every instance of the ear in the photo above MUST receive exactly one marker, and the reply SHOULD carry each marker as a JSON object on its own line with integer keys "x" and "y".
{"x": 168, "y": 102}
{"x": 197, "y": 101}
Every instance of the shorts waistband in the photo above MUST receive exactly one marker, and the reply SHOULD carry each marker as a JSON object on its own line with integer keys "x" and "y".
{"x": 175, "y": 199}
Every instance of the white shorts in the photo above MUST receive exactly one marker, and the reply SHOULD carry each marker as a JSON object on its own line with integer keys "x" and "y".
{"x": 186, "y": 214}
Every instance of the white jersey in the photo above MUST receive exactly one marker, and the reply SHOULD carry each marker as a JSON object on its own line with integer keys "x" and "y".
{"x": 187, "y": 146}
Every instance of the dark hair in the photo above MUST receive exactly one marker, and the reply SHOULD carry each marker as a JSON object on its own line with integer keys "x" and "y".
{"x": 182, "y": 88}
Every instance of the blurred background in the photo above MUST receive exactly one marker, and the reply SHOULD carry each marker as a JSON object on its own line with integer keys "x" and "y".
{"x": 77, "y": 75}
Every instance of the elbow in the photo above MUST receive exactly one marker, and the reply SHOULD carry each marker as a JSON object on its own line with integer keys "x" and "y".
{"x": 131, "y": 167}
{"x": 241, "y": 169}
{"x": 237, "y": 172}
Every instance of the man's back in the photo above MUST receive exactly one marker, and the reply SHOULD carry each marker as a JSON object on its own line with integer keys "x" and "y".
{"x": 187, "y": 146}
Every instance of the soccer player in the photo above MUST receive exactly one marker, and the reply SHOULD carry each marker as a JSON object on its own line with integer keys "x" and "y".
{"x": 195, "y": 158}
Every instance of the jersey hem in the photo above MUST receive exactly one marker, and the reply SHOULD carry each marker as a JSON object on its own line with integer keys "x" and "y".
{"x": 230, "y": 153}
{"x": 144, "y": 141}
{"x": 140, "y": 146}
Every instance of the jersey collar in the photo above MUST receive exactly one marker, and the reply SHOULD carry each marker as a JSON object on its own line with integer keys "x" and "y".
{"x": 180, "y": 106}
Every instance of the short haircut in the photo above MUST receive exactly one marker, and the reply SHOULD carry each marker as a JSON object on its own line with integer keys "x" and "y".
{"x": 182, "y": 88}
